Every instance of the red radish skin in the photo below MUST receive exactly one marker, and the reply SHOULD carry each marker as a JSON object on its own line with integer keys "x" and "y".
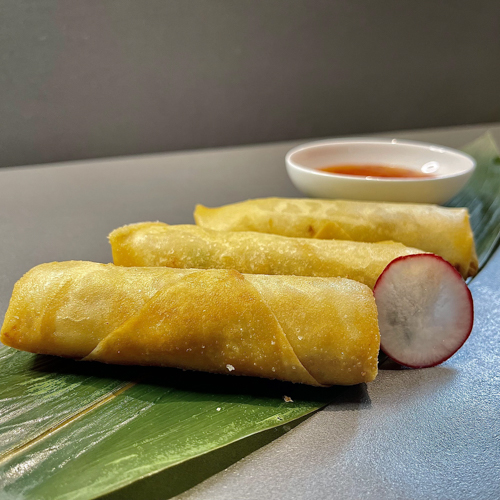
{"x": 425, "y": 310}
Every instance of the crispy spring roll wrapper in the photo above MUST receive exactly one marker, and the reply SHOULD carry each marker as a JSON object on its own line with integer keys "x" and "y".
{"x": 317, "y": 331}
{"x": 443, "y": 231}
{"x": 187, "y": 246}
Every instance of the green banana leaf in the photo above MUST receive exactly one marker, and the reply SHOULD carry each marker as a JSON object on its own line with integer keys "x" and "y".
{"x": 482, "y": 196}
{"x": 73, "y": 430}
{"x": 144, "y": 427}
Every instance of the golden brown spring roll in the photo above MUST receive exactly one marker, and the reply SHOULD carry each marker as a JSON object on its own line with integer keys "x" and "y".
{"x": 187, "y": 246}
{"x": 315, "y": 331}
{"x": 443, "y": 231}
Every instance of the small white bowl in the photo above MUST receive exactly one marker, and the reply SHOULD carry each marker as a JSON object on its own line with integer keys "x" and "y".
{"x": 451, "y": 169}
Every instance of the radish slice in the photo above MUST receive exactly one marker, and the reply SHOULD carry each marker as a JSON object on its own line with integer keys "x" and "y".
{"x": 425, "y": 310}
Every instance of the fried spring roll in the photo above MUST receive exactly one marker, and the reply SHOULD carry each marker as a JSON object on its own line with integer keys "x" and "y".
{"x": 187, "y": 246}
{"x": 315, "y": 331}
{"x": 443, "y": 231}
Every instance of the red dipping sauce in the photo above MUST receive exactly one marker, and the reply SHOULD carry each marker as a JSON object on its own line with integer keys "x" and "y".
{"x": 375, "y": 171}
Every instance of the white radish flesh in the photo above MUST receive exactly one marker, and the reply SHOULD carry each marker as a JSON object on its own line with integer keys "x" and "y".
{"x": 425, "y": 310}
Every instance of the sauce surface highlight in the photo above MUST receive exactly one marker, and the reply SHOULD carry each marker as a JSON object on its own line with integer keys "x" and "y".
{"x": 375, "y": 171}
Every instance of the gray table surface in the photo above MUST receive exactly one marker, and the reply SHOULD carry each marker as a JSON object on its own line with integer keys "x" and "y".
{"x": 418, "y": 434}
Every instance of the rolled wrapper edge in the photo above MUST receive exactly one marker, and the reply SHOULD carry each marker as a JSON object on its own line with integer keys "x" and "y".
{"x": 440, "y": 230}
{"x": 213, "y": 320}
{"x": 189, "y": 246}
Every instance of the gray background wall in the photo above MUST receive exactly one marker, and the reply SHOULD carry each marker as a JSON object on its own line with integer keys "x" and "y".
{"x": 96, "y": 78}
